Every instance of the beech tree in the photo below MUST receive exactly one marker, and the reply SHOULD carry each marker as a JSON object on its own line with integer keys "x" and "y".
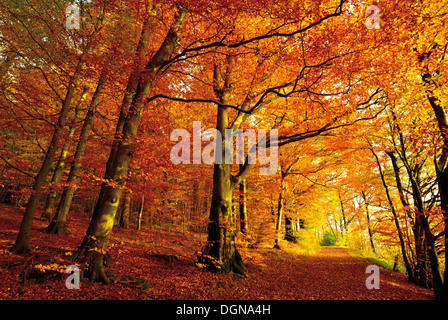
{"x": 107, "y": 205}
{"x": 97, "y": 105}
{"x": 220, "y": 251}
{"x": 31, "y": 22}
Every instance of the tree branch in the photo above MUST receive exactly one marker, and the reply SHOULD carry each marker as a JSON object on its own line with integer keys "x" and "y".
{"x": 16, "y": 168}
{"x": 282, "y": 140}
{"x": 163, "y": 96}
{"x": 267, "y": 35}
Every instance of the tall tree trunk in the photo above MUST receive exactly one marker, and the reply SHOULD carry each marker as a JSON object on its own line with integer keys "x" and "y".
{"x": 369, "y": 227}
{"x": 437, "y": 281}
{"x": 220, "y": 252}
{"x": 140, "y": 212}
{"x": 344, "y": 226}
{"x": 221, "y": 236}
{"x": 280, "y": 218}
{"x": 442, "y": 181}
{"x": 105, "y": 212}
{"x": 291, "y": 228}
{"x": 428, "y": 250}
{"x": 397, "y": 224}
{"x": 58, "y": 222}
{"x": 130, "y": 92}
{"x": 57, "y": 175}
{"x": 419, "y": 269}
{"x": 243, "y": 208}
{"x": 124, "y": 219}
{"x": 21, "y": 244}
{"x": 441, "y": 163}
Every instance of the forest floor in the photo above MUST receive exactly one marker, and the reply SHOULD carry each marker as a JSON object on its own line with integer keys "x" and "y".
{"x": 160, "y": 264}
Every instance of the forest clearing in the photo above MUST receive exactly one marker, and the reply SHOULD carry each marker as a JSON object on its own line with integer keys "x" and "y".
{"x": 197, "y": 149}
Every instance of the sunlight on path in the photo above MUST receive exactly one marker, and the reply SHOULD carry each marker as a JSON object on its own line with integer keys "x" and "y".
{"x": 333, "y": 273}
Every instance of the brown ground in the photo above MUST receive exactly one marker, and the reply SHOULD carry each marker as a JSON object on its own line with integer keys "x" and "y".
{"x": 141, "y": 268}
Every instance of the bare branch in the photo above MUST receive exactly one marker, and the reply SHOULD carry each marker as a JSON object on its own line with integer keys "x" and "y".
{"x": 16, "y": 168}
{"x": 267, "y": 35}
{"x": 163, "y": 96}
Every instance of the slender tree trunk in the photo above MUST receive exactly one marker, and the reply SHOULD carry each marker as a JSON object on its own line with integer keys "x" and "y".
{"x": 420, "y": 269}
{"x": 397, "y": 224}
{"x": 51, "y": 198}
{"x": 437, "y": 280}
{"x": 140, "y": 213}
{"x": 243, "y": 208}
{"x": 57, "y": 174}
{"x": 130, "y": 92}
{"x": 442, "y": 181}
{"x": 58, "y": 222}
{"x": 105, "y": 214}
{"x": 291, "y": 228}
{"x": 428, "y": 245}
{"x": 280, "y": 217}
{"x": 440, "y": 286}
{"x": 21, "y": 244}
{"x": 125, "y": 213}
{"x": 369, "y": 227}
{"x": 441, "y": 163}
{"x": 344, "y": 224}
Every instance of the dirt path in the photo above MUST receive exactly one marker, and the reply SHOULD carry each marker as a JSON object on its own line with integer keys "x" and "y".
{"x": 334, "y": 274}
{"x": 137, "y": 273}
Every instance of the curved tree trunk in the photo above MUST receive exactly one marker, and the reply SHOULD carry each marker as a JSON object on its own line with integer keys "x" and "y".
{"x": 130, "y": 92}
{"x": 427, "y": 245}
{"x": 442, "y": 181}
{"x": 397, "y": 224}
{"x": 21, "y": 244}
{"x": 104, "y": 215}
{"x": 419, "y": 268}
{"x": 57, "y": 175}
{"x": 58, "y": 222}
{"x": 441, "y": 165}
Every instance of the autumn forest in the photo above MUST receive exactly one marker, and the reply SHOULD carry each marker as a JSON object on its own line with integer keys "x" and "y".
{"x": 223, "y": 149}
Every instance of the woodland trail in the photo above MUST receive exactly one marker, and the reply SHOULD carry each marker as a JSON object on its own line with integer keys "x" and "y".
{"x": 333, "y": 273}
{"x": 138, "y": 272}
